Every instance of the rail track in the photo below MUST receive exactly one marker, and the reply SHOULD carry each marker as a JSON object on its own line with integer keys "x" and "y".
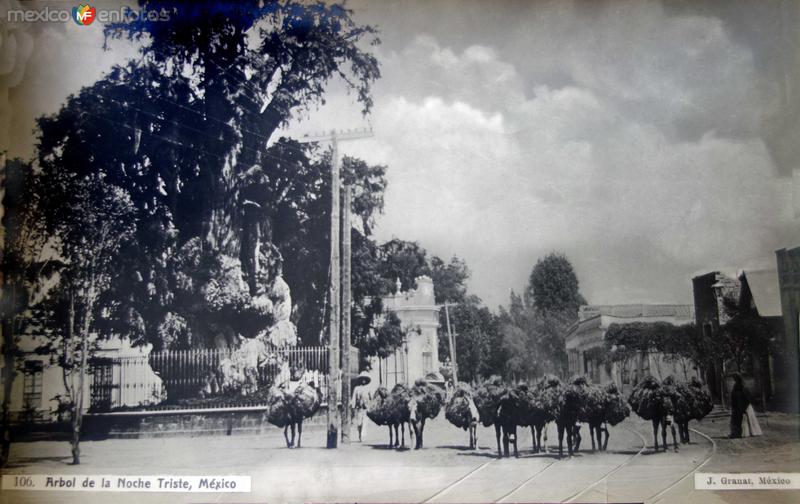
{"x": 659, "y": 497}
{"x": 656, "y": 498}
{"x": 604, "y": 477}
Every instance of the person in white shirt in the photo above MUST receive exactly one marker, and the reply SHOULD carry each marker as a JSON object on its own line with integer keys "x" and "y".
{"x": 359, "y": 402}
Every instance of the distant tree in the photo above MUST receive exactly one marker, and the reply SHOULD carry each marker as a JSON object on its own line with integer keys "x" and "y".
{"x": 543, "y": 315}
{"x": 475, "y": 327}
{"x": 516, "y": 335}
{"x": 680, "y": 346}
{"x": 403, "y": 260}
{"x": 449, "y": 279}
{"x": 745, "y": 335}
{"x": 553, "y": 286}
{"x": 383, "y": 338}
{"x": 521, "y": 363}
{"x": 636, "y": 340}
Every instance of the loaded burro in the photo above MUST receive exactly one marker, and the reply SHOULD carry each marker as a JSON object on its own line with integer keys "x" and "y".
{"x": 507, "y": 407}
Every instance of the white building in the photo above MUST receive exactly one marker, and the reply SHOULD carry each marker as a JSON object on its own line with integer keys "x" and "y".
{"x": 418, "y": 357}
{"x": 115, "y": 364}
{"x": 584, "y": 342}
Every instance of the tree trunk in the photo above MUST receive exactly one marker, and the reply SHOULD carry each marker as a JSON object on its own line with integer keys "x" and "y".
{"x": 77, "y": 418}
{"x": 722, "y": 385}
{"x": 9, "y": 375}
{"x": 77, "y": 400}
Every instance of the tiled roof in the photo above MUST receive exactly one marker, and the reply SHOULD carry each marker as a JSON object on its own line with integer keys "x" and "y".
{"x": 637, "y": 310}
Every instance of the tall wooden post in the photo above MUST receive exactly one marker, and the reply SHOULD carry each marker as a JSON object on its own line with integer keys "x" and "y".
{"x": 346, "y": 311}
{"x": 336, "y": 343}
{"x": 335, "y": 375}
{"x": 452, "y": 341}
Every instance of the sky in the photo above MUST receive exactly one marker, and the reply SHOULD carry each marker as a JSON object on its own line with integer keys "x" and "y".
{"x": 647, "y": 141}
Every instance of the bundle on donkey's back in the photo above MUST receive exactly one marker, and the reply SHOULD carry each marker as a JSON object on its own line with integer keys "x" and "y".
{"x": 390, "y": 409}
{"x": 289, "y": 404}
{"x": 425, "y": 402}
{"x": 534, "y": 412}
{"x": 496, "y": 406}
{"x": 690, "y": 402}
{"x": 650, "y": 401}
{"x": 603, "y": 407}
{"x": 670, "y": 401}
{"x": 462, "y": 412}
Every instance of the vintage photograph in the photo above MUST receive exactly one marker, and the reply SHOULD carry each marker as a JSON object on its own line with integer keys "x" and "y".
{"x": 400, "y": 251}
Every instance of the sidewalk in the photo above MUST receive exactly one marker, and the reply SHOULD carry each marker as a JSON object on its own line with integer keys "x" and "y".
{"x": 778, "y": 450}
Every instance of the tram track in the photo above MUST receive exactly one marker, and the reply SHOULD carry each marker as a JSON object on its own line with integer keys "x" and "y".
{"x": 656, "y": 498}
{"x": 531, "y": 478}
{"x": 457, "y": 482}
{"x": 613, "y": 470}
{"x": 659, "y": 497}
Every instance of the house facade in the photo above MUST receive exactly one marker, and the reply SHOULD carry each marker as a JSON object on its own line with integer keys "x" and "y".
{"x": 118, "y": 374}
{"x": 717, "y": 297}
{"x": 788, "y": 267}
{"x": 585, "y": 343}
{"x": 418, "y": 356}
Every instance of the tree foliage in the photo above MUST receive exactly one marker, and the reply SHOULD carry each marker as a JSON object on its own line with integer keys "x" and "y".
{"x": 534, "y": 324}
{"x": 90, "y": 221}
{"x": 744, "y": 335}
{"x": 184, "y": 130}
{"x": 679, "y": 344}
{"x": 553, "y": 286}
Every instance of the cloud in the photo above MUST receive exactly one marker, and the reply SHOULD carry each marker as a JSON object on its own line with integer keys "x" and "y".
{"x": 629, "y": 140}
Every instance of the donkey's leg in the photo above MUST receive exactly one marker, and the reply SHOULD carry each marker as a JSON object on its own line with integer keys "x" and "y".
{"x": 286, "y": 436}
{"x": 655, "y": 433}
{"x": 497, "y": 435}
{"x": 569, "y": 430}
{"x": 674, "y": 440}
{"x": 561, "y": 429}
{"x": 299, "y": 432}
{"x": 514, "y": 438}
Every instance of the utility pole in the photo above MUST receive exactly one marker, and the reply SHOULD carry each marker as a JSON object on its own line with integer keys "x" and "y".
{"x": 338, "y": 348}
{"x": 452, "y": 340}
{"x": 334, "y": 372}
{"x": 346, "y": 311}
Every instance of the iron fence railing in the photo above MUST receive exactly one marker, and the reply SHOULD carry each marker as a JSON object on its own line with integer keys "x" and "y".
{"x": 180, "y": 375}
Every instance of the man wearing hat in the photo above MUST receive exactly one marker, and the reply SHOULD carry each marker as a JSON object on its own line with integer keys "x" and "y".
{"x": 360, "y": 401}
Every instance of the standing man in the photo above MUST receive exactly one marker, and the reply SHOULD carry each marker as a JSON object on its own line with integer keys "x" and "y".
{"x": 360, "y": 401}
{"x": 740, "y": 400}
